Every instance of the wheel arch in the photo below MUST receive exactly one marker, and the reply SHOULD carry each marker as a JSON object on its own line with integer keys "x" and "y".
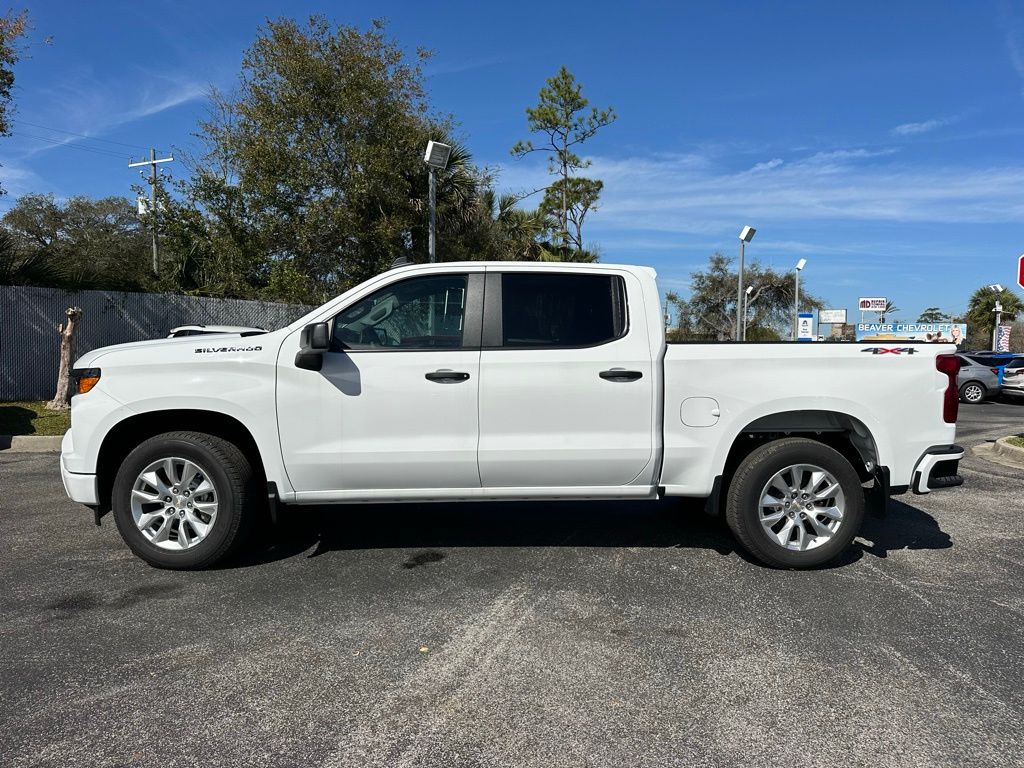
{"x": 128, "y": 433}
{"x": 845, "y": 433}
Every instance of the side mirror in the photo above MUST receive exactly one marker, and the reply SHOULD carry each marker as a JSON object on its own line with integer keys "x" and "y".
{"x": 314, "y": 340}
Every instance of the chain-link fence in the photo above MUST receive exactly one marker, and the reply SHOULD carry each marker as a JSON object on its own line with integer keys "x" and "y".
{"x": 29, "y": 344}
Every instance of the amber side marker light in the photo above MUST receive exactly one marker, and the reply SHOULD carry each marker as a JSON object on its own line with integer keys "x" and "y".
{"x": 85, "y": 379}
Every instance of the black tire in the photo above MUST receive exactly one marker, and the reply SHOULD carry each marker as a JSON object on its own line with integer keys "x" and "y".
{"x": 231, "y": 474}
{"x": 973, "y": 392}
{"x": 742, "y": 510}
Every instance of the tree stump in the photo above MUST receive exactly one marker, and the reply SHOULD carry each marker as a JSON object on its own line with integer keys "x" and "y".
{"x": 62, "y": 399}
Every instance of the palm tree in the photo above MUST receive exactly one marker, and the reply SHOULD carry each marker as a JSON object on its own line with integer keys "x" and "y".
{"x": 516, "y": 234}
{"x": 890, "y": 308}
{"x": 981, "y": 307}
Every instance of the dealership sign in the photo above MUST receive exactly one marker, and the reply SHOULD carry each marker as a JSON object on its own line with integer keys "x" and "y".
{"x": 805, "y": 327}
{"x": 832, "y": 316}
{"x": 873, "y": 304}
{"x": 950, "y": 333}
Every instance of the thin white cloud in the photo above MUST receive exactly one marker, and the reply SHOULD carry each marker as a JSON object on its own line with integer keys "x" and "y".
{"x": 850, "y": 154}
{"x": 643, "y": 196}
{"x": 1014, "y": 37}
{"x": 152, "y": 103}
{"x": 94, "y": 109}
{"x": 775, "y": 162}
{"x": 913, "y": 129}
{"x": 17, "y": 180}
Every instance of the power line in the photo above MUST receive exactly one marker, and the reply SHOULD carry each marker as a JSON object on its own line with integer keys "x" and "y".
{"x": 80, "y": 135}
{"x": 71, "y": 145}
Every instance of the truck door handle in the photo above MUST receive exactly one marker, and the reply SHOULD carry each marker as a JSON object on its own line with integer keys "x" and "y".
{"x": 446, "y": 376}
{"x": 621, "y": 374}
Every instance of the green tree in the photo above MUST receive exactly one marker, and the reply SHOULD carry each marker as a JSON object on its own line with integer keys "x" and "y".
{"x": 710, "y": 311}
{"x": 890, "y": 309}
{"x": 313, "y": 167}
{"x": 80, "y": 243}
{"x": 981, "y": 316}
{"x": 562, "y": 117}
{"x": 12, "y": 28}
{"x": 933, "y": 315}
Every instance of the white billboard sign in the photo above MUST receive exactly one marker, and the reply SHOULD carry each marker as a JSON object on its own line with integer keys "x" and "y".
{"x": 805, "y": 327}
{"x": 872, "y": 304}
{"x": 832, "y": 316}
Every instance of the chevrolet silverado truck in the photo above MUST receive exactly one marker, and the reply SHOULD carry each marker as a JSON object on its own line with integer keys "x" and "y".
{"x": 474, "y": 381}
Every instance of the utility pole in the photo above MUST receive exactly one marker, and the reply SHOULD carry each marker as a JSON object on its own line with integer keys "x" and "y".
{"x": 152, "y": 163}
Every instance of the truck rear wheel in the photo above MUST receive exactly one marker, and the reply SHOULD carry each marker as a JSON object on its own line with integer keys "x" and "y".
{"x": 180, "y": 499}
{"x": 795, "y": 503}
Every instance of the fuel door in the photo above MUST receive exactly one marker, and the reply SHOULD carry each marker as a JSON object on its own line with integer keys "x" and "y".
{"x": 699, "y": 412}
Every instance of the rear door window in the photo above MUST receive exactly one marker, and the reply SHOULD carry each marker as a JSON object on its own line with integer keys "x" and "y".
{"x": 561, "y": 310}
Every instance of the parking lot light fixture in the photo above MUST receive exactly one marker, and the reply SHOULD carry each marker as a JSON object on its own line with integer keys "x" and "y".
{"x": 796, "y": 296}
{"x": 746, "y": 308}
{"x": 746, "y": 235}
{"x": 436, "y": 159}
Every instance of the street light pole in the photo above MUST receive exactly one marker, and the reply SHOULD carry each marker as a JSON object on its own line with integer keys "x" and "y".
{"x": 432, "y": 247}
{"x": 796, "y": 297}
{"x": 995, "y": 328}
{"x": 746, "y": 309}
{"x": 745, "y": 237}
{"x": 436, "y": 159}
{"x": 997, "y": 289}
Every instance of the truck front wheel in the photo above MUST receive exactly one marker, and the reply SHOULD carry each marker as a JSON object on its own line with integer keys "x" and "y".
{"x": 180, "y": 499}
{"x": 795, "y": 503}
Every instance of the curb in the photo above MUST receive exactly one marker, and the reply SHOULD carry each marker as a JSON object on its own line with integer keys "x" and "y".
{"x": 31, "y": 443}
{"x": 1009, "y": 452}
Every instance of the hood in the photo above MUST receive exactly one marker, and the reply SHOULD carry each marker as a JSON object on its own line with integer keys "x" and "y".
{"x": 89, "y": 359}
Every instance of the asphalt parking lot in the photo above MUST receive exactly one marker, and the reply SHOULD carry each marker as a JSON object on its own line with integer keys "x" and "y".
{"x": 519, "y": 635}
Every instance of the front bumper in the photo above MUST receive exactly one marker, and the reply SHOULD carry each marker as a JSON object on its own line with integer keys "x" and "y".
{"x": 79, "y": 487}
{"x": 937, "y": 468}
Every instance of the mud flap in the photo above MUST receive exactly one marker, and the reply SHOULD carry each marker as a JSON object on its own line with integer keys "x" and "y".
{"x": 876, "y": 496}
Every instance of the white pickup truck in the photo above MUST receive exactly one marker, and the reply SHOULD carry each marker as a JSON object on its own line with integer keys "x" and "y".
{"x": 471, "y": 381}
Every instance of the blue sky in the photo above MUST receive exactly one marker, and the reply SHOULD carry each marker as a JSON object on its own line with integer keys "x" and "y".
{"x": 881, "y": 141}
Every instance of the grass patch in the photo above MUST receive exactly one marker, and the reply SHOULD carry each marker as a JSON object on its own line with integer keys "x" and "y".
{"x": 32, "y": 418}
{"x": 1017, "y": 440}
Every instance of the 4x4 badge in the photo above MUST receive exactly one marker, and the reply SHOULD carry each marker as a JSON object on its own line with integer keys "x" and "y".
{"x": 890, "y": 350}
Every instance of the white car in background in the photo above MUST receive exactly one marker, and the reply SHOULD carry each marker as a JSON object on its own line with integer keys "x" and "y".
{"x": 205, "y": 330}
{"x": 1013, "y": 378}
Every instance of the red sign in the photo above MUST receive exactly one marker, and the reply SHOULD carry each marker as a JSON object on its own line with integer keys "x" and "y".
{"x": 1020, "y": 271}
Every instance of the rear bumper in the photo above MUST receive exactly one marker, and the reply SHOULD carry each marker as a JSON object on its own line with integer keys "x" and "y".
{"x": 938, "y": 468}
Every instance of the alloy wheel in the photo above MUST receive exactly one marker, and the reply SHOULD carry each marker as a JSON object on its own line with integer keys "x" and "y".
{"x": 801, "y": 507}
{"x": 174, "y": 503}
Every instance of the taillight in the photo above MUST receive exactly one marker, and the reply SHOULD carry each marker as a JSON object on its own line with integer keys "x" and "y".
{"x": 995, "y": 371}
{"x": 949, "y": 365}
